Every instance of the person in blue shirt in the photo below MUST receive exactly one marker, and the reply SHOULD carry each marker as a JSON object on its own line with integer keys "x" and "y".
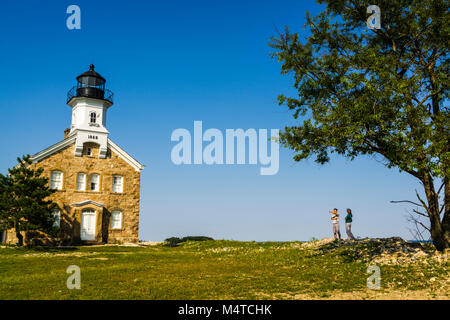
{"x": 348, "y": 224}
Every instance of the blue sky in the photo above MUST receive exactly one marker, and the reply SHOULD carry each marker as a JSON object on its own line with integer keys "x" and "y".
{"x": 171, "y": 63}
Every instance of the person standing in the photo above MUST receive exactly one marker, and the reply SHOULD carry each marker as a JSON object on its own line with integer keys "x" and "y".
{"x": 335, "y": 222}
{"x": 348, "y": 224}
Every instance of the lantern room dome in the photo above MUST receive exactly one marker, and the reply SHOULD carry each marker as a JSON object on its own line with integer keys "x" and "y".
{"x": 91, "y": 77}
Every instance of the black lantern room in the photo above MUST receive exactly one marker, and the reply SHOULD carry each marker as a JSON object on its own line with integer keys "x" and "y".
{"x": 90, "y": 85}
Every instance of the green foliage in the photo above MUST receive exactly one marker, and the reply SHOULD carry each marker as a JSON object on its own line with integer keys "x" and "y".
{"x": 381, "y": 92}
{"x": 24, "y": 203}
{"x": 174, "y": 241}
{"x": 364, "y": 91}
{"x": 214, "y": 270}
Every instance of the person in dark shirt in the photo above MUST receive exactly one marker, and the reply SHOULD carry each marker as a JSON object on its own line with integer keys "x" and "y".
{"x": 348, "y": 224}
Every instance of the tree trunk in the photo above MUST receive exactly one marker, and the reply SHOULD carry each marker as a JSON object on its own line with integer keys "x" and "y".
{"x": 18, "y": 234}
{"x": 440, "y": 232}
{"x": 19, "y": 238}
{"x": 446, "y": 217}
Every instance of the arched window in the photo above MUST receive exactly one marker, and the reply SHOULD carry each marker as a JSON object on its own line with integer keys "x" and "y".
{"x": 56, "y": 180}
{"x": 116, "y": 219}
{"x": 93, "y": 117}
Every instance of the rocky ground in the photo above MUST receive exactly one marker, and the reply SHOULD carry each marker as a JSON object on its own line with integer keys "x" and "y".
{"x": 417, "y": 257}
{"x": 385, "y": 251}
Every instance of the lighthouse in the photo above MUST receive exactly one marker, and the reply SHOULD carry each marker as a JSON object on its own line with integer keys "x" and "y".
{"x": 96, "y": 183}
{"x": 90, "y": 101}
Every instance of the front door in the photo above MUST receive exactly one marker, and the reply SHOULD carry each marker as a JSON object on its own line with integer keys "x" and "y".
{"x": 88, "y": 219}
{"x": 2, "y": 236}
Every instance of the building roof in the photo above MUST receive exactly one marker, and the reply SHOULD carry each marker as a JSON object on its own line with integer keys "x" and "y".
{"x": 91, "y": 73}
{"x": 71, "y": 140}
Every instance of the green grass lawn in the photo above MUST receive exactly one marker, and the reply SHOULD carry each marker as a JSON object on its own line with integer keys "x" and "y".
{"x": 208, "y": 270}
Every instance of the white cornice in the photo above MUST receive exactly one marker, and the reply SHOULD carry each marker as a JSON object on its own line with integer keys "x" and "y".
{"x": 125, "y": 156}
{"x": 83, "y": 203}
{"x": 53, "y": 149}
{"x": 71, "y": 140}
{"x": 90, "y": 101}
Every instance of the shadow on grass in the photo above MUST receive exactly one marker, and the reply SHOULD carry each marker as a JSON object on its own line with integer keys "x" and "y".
{"x": 47, "y": 249}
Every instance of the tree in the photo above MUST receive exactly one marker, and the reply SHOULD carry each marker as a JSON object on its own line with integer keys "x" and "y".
{"x": 24, "y": 203}
{"x": 381, "y": 92}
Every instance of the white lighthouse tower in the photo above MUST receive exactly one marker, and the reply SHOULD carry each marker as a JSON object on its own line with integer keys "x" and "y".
{"x": 90, "y": 101}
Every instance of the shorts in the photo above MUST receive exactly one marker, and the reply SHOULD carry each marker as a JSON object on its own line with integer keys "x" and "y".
{"x": 336, "y": 227}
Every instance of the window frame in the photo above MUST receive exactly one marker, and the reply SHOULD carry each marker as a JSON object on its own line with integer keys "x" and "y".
{"x": 84, "y": 182}
{"x": 59, "y": 183}
{"x": 117, "y": 221}
{"x": 97, "y": 183}
{"x": 115, "y": 185}
{"x": 57, "y": 212}
{"x": 93, "y": 116}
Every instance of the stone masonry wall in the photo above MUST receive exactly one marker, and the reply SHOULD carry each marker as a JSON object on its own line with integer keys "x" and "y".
{"x": 127, "y": 202}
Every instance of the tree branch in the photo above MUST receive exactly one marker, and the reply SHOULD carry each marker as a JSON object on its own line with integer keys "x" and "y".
{"x": 421, "y": 201}
{"x": 401, "y": 201}
{"x": 421, "y": 214}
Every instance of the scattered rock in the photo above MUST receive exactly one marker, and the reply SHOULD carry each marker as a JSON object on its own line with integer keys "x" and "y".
{"x": 150, "y": 243}
{"x": 384, "y": 251}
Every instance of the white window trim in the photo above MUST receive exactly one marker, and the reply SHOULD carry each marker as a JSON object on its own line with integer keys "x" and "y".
{"x": 119, "y": 223}
{"x": 117, "y": 188}
{"x": 90, "y": 117}
{"x": 84, "y": 181}
{"x": 56, "y": 184}
{"x": 57, "y": 213}
{"x": 97, "y": 183}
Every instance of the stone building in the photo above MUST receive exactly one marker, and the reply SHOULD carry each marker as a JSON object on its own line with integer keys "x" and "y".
{"x": 97, "y": 183}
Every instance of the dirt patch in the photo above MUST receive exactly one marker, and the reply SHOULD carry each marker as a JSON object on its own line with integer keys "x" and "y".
{"x": 150, "y": 243}
{"x": 442, "y": 294}
{"x": 55, "y": 254}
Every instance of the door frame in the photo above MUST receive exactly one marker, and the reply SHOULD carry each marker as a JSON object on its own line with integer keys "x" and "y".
{"x": 90, "y": 212}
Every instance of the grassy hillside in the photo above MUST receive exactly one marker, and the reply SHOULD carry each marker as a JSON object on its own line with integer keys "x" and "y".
{"x": 227, "y": 270}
